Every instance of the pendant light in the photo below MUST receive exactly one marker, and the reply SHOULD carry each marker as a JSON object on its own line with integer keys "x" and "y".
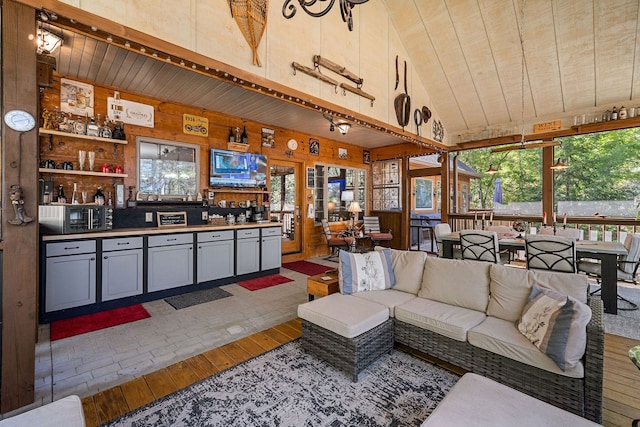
{"x": 492, "y": 170}
{"x": 560, "y": 165}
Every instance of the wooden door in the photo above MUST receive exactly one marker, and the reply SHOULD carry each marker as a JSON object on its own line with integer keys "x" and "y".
{"x": 285, "y": 196}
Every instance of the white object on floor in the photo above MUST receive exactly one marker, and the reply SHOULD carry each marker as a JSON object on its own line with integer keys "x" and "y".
{"x": 479, "y": 401}
{"x": 65, "y": 412}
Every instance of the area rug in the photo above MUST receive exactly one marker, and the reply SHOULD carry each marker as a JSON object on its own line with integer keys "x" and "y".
{"x": 306, "y": 267}
{"x": 625, "y": 323}
{"x": 96, "y": 321}
{"x": 198, "y": 297}
{"x": 288, "y": 387}
{"x": 264, "y": 282}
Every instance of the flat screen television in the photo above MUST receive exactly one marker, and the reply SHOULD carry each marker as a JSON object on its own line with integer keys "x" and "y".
{"x": 232, "y": 169}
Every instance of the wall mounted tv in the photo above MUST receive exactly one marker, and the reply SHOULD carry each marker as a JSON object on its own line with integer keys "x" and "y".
{"x": 232, "y": 169}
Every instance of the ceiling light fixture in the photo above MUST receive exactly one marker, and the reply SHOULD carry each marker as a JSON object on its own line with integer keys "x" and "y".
{"x": 560, "y": 165}
{"x": 48, "y": 41}
{"x": 492, "y": 170}
{"x": 343, "y": 127}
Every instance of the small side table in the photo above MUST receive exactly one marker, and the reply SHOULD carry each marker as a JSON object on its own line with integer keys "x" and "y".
{"x": 316, "y": 287}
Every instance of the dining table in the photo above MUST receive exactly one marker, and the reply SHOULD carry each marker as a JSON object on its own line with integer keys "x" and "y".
{"x": 606, "y": 252}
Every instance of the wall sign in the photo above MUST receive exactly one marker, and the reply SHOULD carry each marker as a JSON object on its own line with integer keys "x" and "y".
{"x": 172, "y": 219}
{"x": 133, "y": 113}
{"x": 195, "y": 125}
{"x": 547, "y": 126}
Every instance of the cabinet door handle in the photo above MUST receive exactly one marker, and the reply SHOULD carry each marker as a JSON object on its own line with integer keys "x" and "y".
{"x": 215, "y": 235}
{"x": 124, "y": 243}
{"x": 71, "y": 248}
{"x": 170, "y": 240}
{"x": 106, "y": 257}
{"x": 92, "y": 259}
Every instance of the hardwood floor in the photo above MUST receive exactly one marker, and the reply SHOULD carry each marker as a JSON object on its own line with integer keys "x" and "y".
{"x": 621, "y": 377}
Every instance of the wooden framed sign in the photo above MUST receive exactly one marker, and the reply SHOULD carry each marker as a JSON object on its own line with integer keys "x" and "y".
{"x": 172, "y": 219}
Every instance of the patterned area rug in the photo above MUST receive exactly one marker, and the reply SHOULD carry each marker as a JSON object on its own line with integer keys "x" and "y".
{"x": 198, "y": 297}
{"x": 306, "y": 267}
{"x": 288, "y": 387}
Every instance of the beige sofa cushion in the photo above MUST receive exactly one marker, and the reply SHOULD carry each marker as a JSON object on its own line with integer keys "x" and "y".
{"x": 407, "y": 269}
{"x": 387, "y": 297}
{"x": 456, "y": 282}
{"x": 503, "y": 338}
{"x": 345, "y": 315}
{"x": 510, "y": 287}
{"x": 444, "y": 319}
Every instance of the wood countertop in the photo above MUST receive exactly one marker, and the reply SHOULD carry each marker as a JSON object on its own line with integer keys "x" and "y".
{"x": 128, "y": 232}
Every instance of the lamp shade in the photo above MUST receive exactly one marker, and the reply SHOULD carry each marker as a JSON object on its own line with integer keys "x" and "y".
{"x": 346, "y": 196}
{"x": 354, "y": 207}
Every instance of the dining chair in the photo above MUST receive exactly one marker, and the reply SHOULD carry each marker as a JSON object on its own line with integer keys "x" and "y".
{"x": 371, "y": 226}
{"x": 335, "y": 242}
{"x": 627, "y": 267}
{"x": 440, "y": 230}
{"x": 552, "y": 253}
{"x": 505, "y": 231}
{"x": 480, "y": 245}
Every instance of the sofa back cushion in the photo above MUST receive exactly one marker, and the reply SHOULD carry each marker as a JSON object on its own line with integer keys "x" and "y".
{"x": 456, "y": 282}
{"x": 407, "y": 269}
{"x": 370, "y": 271}
{"x": 510, "y": 288}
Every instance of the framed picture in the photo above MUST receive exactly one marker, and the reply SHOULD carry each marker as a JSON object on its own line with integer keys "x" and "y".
{"x": 342, "y": 153}
{"x": 268, "y": 137}
{"x": 366, "y": 157}
{"x": 76, "y": 98}
{"x": 314, "y": 147}
{"x": 424, "y": 193}
{"x": 311, "y": 177}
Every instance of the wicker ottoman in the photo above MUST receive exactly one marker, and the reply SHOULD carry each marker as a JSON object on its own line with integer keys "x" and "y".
{"x": 347, "y": 332}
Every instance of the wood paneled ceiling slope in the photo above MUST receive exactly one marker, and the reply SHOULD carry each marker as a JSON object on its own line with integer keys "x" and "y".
{"x": 580, "y": 57}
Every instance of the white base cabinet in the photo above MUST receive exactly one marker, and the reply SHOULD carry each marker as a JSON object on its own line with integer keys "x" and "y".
{"x": 271, "y": 248}
{"x": 122, "y": 267}
{"x": 248, "y": 244}
{"x": 216, "y": 255}
{"x": 170, "y": 261}
{"x": 70, "y": 274}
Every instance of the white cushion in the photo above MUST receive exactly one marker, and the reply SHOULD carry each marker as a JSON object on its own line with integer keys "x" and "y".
{"x": 388, "y": 297}
{"x": 510, "y": 288}
{"x": 456, "y": 282}
{"x": 365, "y": 272}
{"x": 65, "y": 412}
{"x": 444, "y": 319}
{"x": 479, "y": 401}
{"x": 503, "y": 338}
{"x": 407, "y": 269}
{"x": 344, "y": 314}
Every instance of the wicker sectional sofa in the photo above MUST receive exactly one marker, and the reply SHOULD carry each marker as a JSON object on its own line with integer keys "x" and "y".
{"x": 465, "y": 313}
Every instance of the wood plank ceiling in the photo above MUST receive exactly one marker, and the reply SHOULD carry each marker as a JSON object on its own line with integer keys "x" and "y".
{"x": 579, "y": 56}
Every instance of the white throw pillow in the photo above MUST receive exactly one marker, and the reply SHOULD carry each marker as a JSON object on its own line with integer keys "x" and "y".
{"x": 365, "y": 272}
{"x": 407, "y": 269}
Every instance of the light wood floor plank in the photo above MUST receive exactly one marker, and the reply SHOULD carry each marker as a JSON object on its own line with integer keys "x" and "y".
{"x": 182, "y": 374}
{"x": 289, "y": 331}
{"x": 137, "y": 393}
{"x": 110, "y": 404}
{"x": 264, "y": 341}
{"x": 219, "y": 358}
{"x": 277, "y": 336}
{"x": 202, "y": 366}
{"x": 161, "y": 383}
{"x": 250, "y": 346}
{"x": 236, "y": 352}
{"x": 90, "y": 413}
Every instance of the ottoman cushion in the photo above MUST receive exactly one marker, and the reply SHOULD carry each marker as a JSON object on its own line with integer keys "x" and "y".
{"x": 344, "y": 315}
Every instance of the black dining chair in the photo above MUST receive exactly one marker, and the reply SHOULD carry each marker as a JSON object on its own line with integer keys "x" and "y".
{"x": 480, "y": 245}
{"x": 550, "y": 253}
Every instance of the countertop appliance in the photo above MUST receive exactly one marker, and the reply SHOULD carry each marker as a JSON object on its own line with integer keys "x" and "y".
{"x": 71, "y": 219}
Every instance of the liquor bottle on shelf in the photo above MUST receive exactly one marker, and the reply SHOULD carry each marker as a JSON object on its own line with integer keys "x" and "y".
{"x": 109, "y": 199}
{"x": 105, "y": 130}
{"x": 622, "y": 114}
{"x": 80, "y": 126}
{"x": 98, "y": 198}
{"x": 61, "y": 197}
{"x": 614, "y": 114}
{"x": 92, "y": 128}
{"x": 74, "y": 195}
{"x": 238, "y": 137}
{"x": 244, "y": 138}
{"x": 232, "y": 136}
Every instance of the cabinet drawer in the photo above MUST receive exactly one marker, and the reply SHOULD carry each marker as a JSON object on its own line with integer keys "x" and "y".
{"x": 250, "y": 232}
{"x": 271, "y": 231}
{"x": 170, "y": 239}
{"x": 214, "y": 236}
{"x": 71, "y": 247}
{"x": 121, "y": 244}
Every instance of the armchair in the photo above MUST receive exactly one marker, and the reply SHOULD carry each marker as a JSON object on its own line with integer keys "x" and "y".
{"x": 372, "y": 230}
{"x": 335, "y": 242}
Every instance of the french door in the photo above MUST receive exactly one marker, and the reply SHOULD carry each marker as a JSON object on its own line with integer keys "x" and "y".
{"x": 285, "y": 195}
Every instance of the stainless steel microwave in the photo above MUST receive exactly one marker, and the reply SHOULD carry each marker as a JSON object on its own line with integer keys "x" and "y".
{"x": 71, "y": 219}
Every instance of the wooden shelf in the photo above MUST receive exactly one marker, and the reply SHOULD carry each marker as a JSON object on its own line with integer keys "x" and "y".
{"x": 78, "y": 136}
{"x": 610, "y": 125}
{"x": 236, "y": 190}
{"x": 87, "y": 173}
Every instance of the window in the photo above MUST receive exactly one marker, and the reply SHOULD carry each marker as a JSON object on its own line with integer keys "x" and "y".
{"x": 335, "y": 189}
{"x": 167, "y": 168}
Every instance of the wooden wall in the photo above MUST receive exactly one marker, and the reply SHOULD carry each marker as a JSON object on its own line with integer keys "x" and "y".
{"x": 168, "y": 126}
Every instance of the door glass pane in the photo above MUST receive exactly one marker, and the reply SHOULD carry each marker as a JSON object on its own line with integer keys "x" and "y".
{"x": 283, "y": 199}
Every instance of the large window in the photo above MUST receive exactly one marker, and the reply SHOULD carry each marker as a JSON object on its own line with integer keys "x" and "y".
{"x": 167, "y": 168}
{"x": 335, "y": 188}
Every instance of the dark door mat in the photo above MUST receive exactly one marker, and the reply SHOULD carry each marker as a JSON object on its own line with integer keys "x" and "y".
{"x": 198, "y": 297}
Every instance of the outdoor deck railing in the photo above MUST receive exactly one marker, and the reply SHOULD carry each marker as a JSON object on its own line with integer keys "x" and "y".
{"x": 594, "y": 228}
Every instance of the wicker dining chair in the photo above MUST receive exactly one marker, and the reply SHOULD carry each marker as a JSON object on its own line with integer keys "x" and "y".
{"x": 550, "y": 253}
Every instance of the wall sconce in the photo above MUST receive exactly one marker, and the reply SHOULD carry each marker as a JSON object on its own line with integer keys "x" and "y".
{"x": 48, "y": 41}
{"x": 560, "y": 165}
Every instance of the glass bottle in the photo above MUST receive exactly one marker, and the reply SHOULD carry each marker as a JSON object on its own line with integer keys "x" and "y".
{"x": 109, "y": 200}
{"x": 92, "y": 128}
{"x": 238, "y": 137}
{"x": 232, "y": 136}
{"x": 74, "y": 195}
{"x": 61, "y": 197}
{"x": 244, "y": 138}
{"x": 622, "y": 114}
{"x": 80, "y": 126}
{"x": 614, "y": 113}
{"x": 105, "y": 130}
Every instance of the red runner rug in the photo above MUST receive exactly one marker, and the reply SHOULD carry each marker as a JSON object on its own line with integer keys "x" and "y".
{"x": 96, "y": 321}
{"x": 264, "y": 282}
{"x": 306, "y": 267}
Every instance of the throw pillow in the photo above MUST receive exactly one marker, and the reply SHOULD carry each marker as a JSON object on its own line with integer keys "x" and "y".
{"x": 557, "y": 325}
{"x": 365, "y": 272}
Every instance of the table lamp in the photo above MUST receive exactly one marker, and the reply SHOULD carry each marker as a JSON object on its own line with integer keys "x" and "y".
{"x": 354, "y": 209}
